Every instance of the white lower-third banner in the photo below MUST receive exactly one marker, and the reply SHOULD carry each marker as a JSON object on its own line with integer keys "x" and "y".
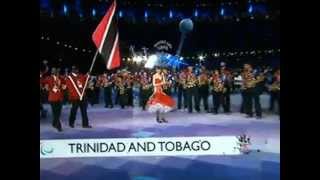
{"x": 164, "y": 146}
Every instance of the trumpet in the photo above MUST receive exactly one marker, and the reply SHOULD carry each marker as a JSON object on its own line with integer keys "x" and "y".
{"x": 191, "y": 82}
{"x": 121, "y": 89}
{"x": 218, "y": 86}
{"x": 275, "y": 86}
{"x": 202, "y": 81}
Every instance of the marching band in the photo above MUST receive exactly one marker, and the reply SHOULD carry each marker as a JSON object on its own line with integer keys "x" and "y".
{"x": 192, "y": 89}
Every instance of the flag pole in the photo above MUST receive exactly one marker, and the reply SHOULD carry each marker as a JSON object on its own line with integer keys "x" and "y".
{"x": 89, "y": 72}
{"x": 93, "y": 61}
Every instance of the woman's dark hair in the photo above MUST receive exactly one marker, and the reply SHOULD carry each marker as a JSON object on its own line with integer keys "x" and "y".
{"x": 157, "y": 68}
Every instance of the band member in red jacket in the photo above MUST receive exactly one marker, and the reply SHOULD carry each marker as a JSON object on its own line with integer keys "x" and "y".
{"x": 75, "y": 84}
{"x": 55, "y": 85}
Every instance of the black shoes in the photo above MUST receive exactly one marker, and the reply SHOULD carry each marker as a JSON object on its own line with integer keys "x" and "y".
{"x": 249, "y": 116}
{"x": 164, "y": 120}
{"x": 58, "y": 127}
{"x": 88, "y": 126}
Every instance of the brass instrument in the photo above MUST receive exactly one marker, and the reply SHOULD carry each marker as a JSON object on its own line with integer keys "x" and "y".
{"x": 203, "y": 80}
{"x": 249, "y": 81}
{"x": 121, "y": 88}
{"x": 91, "y": 85}
{"x": 191, "y": 81}
{"x": 183, "y": 82}
{"x": 218, "y": 86}
{"x": 275, "y": 86}
{"x": 145, "y": 85}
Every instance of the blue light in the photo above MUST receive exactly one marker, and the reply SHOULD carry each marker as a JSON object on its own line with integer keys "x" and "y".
{"x": 172, "y": 61}
{"x": 44, "y": 4}
{"x": 170, "y": 14}
{"x": 65, "y": 9}
{"x": 222, "y": 11}
{"x": 145, "y": 14}
{"x": 93, "y": 12}
{"x": 250, "y": 8}
{"x": 81, "y": 15}
{"x": 120, "y": 14}
{"x": 196, "y": 13}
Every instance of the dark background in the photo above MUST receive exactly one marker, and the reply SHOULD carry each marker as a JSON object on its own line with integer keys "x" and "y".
{"x": 237, "y": 30}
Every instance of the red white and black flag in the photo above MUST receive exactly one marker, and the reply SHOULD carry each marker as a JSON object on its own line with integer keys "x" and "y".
{"x": 106, "y": 38}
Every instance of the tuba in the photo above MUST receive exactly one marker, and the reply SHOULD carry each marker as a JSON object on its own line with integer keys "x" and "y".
{"x": 275, "y": 86}
{"x": 218, "y": 86}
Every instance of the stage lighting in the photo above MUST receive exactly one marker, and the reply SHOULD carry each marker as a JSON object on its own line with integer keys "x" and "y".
{"x": 181, "y": 58}
{"x": 120, "y": 14}
{"x": 196, "y": 13}
{"x": 250, "y": 9}
{"x": 146, "y": 14}
{"x": 42, "y": 37}
{"x": 93, "y": 12}
{"x": 58, "y": 42}
{"x": 201, "y": 57}
{"x": 170, "y": 14}
{"x": 65, "y": 9}
{"x": 48, "y": 38}
{"x": 222, "y": 11}
{"x": 151, "y": 62}
{"x": 137, "y": 59}
{"x": 76, "y": 49}
{"x": 83, "y": 50}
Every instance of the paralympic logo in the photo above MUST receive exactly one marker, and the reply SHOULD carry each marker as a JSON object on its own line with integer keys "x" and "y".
{"x": 244, "y": 142}
{"x": 44, "y": 150}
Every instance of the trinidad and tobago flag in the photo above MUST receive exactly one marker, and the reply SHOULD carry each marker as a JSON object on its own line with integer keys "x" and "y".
{"x": 106, "y": 38}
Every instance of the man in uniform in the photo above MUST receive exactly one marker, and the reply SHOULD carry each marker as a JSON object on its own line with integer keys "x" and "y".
{"x": 204, "y": 88}
{"x": 65, "y": 91}
{"x": 128, "y": 80}
{"x": 274, "y": 90}
{"x": 167, "y": 87}
{"x": 227, "y": 81}
{"x": 55, "y": 85}
{"x": 182, "y": 89}
{"x": 122, "y": 91}
{"x": 76, "y": 83}
{"x": 107, "y": 84}
{"x": 192, "y": 90}
{"x": 146, "y": 89}
{"x": 251, "y": 93}
{"x": 218, "y": 91}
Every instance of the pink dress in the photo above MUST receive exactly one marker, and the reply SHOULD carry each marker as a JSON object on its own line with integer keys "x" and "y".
{"x": 159, "y": 101}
